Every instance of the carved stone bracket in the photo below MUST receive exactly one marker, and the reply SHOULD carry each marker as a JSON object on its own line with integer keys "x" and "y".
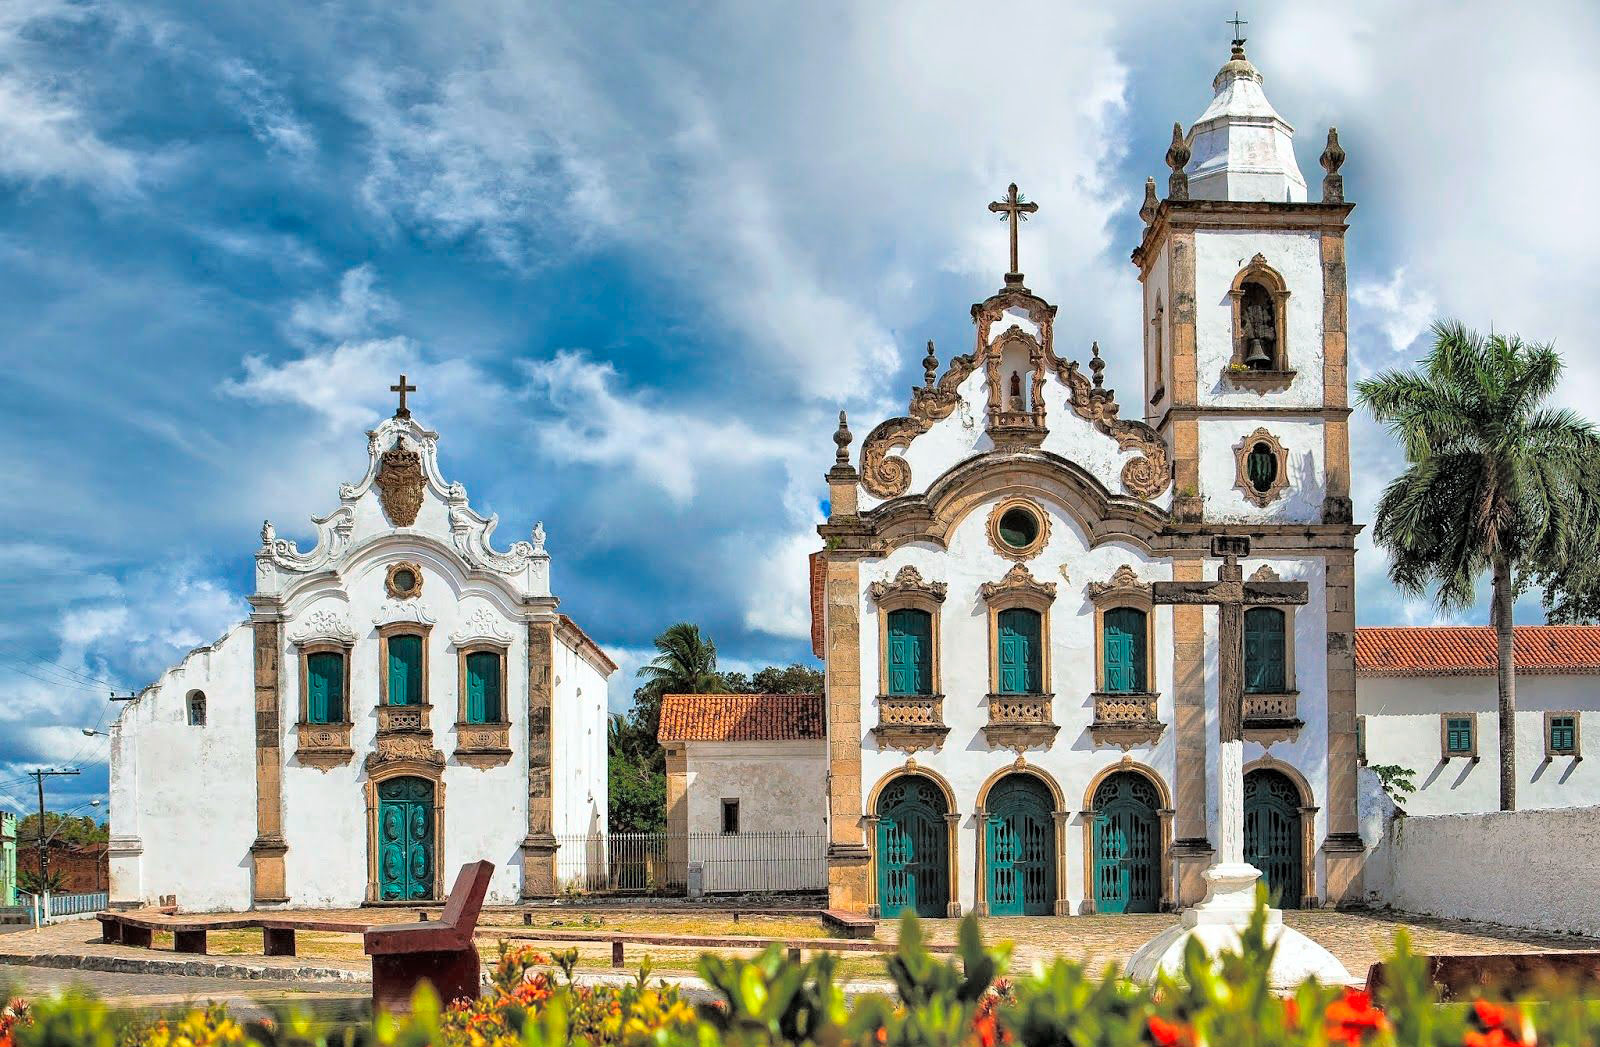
{"x": 323, "y": 745}
{"x": 401, "y": 748}
{"x": 483, "y": 745}
{"x": 1125, "y": 719}
{"x": 1018, "y": 582}
{"x": 910, "y": 723}
{"x": 907, "y": 583}
{"x": 1145, "y": 476}
{"x": 1020, "y": 721}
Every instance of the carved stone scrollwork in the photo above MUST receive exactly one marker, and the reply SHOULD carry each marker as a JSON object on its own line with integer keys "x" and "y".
{"x": 1267, "y": 485}
{"x": 400, "y": 483}
{"x": 1123, "y": 580}
{"x": 1020, "y": 721}
{"x": 1018, "y": 581}
{"x": 483, "y": 626}
{"x": 483, "y": 745}
{"x": 403, "y": 748}
{"x": 907, "y": 582}
{"x": 403, "y": 580}
{"x": 1143, "y": 477}
{"x": 324, "y": 626}
{"x": 323, "y": 745}
{"x": 889, "y": 477}
{"x": 910, "y": 723}
{"x": 1125, "y": 719}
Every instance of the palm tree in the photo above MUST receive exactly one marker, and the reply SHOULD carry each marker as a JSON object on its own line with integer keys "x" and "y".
{"x": 1494, "y": 483}
{"x": 687, "y": 663}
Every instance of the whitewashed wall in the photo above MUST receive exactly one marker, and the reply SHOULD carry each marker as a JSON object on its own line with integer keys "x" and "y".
{"x": 1531, "y": 869}
{"x": 781, "y": 788}
{"x": 1402, "y": 725}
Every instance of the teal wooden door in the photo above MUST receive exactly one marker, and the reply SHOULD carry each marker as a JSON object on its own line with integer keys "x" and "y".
{"x": 1272, "y": 834}
{"x": 910, "y": 652}
{"x": 1125, "y": 655}
{"x": 1020, "y": 848}
{"x": 1127, "y": 845}
{"x": 913, "y": 849}
{"x": 1019, "y": 653}
{"x": 1264, "y": 668}
{"x": 405, "y": 840}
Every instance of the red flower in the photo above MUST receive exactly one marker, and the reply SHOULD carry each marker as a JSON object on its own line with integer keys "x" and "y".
{"x": 1168, "y": 1034}
{"x": 1291, "y": 1012}
{"x": 1499, "y": 1026}
{"x": 1352, "y": 1019}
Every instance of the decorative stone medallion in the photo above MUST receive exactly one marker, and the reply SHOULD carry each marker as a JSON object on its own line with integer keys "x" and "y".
{"x": 1262, "y": 468}
{"x": 1018, "y": 529}
{"x": 400, "y": 483}
{"x": 403, "y": 580}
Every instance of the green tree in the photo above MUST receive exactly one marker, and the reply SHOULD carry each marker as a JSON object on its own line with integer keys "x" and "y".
{"x": 687, "y": 664}
{"x": 789, "y": 679}
{"x": 1494, "y": 483}
{"x": 65, "y": 829}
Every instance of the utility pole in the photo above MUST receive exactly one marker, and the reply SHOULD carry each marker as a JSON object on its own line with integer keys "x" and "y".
{"x": 44, "y": 850}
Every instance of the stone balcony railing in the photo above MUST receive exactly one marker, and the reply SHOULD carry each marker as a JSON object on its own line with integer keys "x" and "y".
{"x": 1272, "y": 717}
{"x": 910, "y": 721}
{"x": 1126, "y": 719}
{"x": 483, "y": 744}
{"x": 1020, "y": 721}
{"x": 323, "y": 745}
{"x": 396, "y": 718}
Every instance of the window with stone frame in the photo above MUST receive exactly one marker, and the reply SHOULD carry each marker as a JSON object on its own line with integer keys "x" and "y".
{"x": 405, "y": 682}
{"x": 1458, "y": 735}
{"x": 1019, "y": 653}
{"x": 910, "y": 652}
{"x": 325, "y": 697}
{"x": 196, "y": 709}
{"x": 1266, "y": 662}
{"x": 1124, "y": 651}
{"x": 1260, "y": 313}
{"x": 485, "y": 690}
{"x": 1561, "y": 734}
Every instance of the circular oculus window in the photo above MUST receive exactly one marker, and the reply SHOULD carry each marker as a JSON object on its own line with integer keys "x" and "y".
{"x": 404, "y": 580}
{"x": 1018, "y": 527}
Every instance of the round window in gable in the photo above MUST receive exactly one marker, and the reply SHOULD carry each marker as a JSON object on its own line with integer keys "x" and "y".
{"x": 1017, "y": 529}
{"x": 404, "y": 580}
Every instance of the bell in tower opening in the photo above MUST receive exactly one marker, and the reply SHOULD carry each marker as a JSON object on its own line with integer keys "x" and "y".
{"x": 1260, "y": 328}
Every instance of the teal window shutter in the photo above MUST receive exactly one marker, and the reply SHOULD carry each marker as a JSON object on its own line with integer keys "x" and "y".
{"x": 1264, "y": 669}
{"x": 1125, "y": 656}
{"x": 325, "y": 687}
{"x": 483, "y": 687}
{"x": 1019, "y": 654}
{"x": 1458, "y": 735}
{"x": 1563, "y": 734}
{"x": 405, "y": 669}
{"x": 910, "y": 652}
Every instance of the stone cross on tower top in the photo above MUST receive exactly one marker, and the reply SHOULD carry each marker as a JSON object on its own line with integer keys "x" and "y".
{"x": 402, "y": 388}
{"x": 1015, "y": 209}
{"x": 1237, "y": 23}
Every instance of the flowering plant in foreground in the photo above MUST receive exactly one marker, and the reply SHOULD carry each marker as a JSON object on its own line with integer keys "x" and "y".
{"x": 961, "y": 1001}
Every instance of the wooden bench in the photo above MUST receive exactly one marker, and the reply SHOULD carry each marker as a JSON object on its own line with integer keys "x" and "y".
{"x": 136, "y": 928}
{"x": 442, "y": 953}
{"x": 617, "y": 939}
{"x": 1503, "y": 975}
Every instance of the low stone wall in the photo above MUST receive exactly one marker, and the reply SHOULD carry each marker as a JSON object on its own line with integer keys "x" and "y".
{"x": 1532, "y": 869}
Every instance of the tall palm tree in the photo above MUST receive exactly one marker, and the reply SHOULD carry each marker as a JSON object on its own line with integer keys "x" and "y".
{"x": 1493, "y": 484}
{"x": 687, "y": 663}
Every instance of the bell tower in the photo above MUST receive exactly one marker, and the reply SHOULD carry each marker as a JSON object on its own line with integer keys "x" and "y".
{"x": 1244, "y": 297}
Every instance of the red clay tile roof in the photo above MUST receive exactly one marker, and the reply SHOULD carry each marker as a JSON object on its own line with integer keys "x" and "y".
{"x": 818, "y": 578}
{"x": 1470, "y": 650}
{"x": 740, "y": 718}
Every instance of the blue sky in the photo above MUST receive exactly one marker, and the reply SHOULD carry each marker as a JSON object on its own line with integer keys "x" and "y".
{"x": 636, "y": 261}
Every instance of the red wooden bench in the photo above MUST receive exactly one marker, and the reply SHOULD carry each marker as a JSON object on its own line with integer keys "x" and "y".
{"x": 405, "y": 955}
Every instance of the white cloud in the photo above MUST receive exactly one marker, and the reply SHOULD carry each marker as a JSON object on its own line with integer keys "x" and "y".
{"x": 586, "y": 419}
{"x": 45, "y": 128}
{"x": 349, "y": 314}
{"x": 780, "y": 585}
{"x": 266, "y": 111}
{"x": 1402, "y": 310}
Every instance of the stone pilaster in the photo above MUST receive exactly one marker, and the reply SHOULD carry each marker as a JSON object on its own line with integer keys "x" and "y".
{"x": 1191, "y": 850}
{"x": 678, "y": 809}
{"x": 847, "y": 852}
{"x": 1343, "y": 849}
{"x": 539, "y": 848}
{"x": 1187, "y": 499}
{"x": 1335, "y": 380}
{"x": 268, "y": 884}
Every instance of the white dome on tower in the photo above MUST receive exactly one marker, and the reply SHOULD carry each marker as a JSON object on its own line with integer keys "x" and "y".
{"x": 1241, "y": 149}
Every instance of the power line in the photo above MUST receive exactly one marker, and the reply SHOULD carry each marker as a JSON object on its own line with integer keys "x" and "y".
{"x": 60, "y": 667}
{"x": 26, "y": 671}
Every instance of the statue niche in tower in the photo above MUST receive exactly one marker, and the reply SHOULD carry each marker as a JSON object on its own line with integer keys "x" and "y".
{"x": 1260, "y": 334}
{"x": 1014, "y": 402}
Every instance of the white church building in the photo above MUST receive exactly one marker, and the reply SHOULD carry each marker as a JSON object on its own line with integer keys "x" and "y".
{"x": 404, "y": 698}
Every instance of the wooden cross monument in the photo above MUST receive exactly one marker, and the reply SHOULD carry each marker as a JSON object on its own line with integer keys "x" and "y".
{"x": 1231, "y": 594}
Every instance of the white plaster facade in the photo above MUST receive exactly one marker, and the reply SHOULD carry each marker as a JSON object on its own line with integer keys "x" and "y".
{"x": 781, "y": 796}
{"x": 188, "y": 800}
{"x": 1402, "y": 716}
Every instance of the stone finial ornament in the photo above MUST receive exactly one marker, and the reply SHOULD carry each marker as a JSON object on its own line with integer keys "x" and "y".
{"x": 538, "y": 537}
{"x": 841, "y": 439}
{"x": 1178, "y": 159}
{"x": 1097, "y": 366}
{"x": 930, "y": 367}
{"x": 267, "y": 533}
{"x": 1147, "y": 213}
{"x": 1332, "y": 160}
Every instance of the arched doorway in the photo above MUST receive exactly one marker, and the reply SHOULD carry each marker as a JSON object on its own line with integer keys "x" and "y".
{"x": 1127, "y": 845}
{"x": 913, "y": 849}
{"x": 405, "y": 840}
{"x": 1019, "y": 837}
{"x": 1272, "y": 834}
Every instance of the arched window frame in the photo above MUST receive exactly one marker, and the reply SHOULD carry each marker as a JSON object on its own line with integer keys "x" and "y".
{"x": 194, "y": 700}
{"x": 1124, "y": 718}
{"x": 1280, "y": 482}
{"x": 1280, "y": 373}
{"x": 404, "y": 717}
{"x": 1019, "y": 721}
{"x": 909, "y": 722}
{"x": 323, "y": 745}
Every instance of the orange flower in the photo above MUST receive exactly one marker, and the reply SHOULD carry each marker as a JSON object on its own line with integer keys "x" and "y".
{"x": 1499, "y": 1026}
{"x": 1291, "y": 1012}
{"x": 1168, "y": 1034}
{"x": 1353, "y": 1018}
{"x": 882, "y": 1035}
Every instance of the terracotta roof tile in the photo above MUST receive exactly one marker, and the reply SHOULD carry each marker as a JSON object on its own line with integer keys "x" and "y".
{"x": 740, "y": 718}
{"x": 1470, "y": 650}
{"x": 818, "y": 579}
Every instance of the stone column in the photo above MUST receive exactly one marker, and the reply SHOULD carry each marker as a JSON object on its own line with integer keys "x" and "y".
{"x": 267, "y": 882}
{"x": 1345, "y": 853}
{"x": 847, "y": 853}
{"x": 539, "y": 848}
{"x": 1191, "y": 850}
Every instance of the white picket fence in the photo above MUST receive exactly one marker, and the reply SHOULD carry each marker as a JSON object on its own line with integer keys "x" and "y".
{"x": 60, "y": 905}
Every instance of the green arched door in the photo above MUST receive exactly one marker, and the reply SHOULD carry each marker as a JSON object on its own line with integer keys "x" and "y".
{"x": 1127, "y": 845}
{"x": 913, "y": 849}
{"x": 1020, "y": 848}
{"x": 1272, "y": 834}
{"x": 405, "y": 840}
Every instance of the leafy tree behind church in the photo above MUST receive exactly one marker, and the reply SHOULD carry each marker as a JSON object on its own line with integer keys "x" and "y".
{"x": 686, "y": 664}
{"x": 1497, "y": 482}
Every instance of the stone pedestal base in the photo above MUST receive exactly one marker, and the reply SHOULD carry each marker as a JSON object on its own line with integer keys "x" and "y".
{"x": 847, "y": 878}
{"x": 1217, "y": 922}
